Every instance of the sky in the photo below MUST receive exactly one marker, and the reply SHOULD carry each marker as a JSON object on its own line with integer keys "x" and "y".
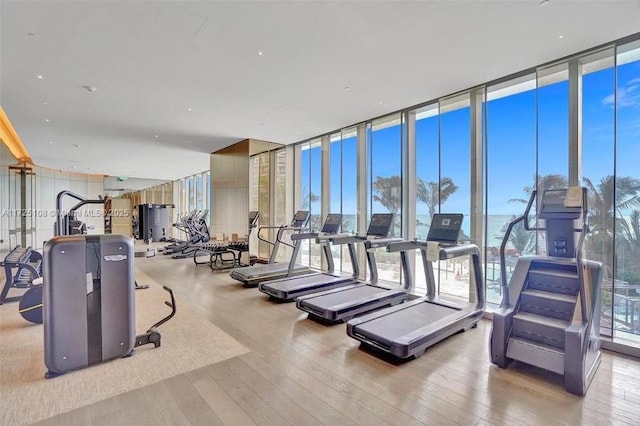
{"x": 511, "y": 135}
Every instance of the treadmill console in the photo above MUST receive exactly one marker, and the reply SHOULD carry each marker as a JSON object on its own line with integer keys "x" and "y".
{"x": 332, "y": 223}
{"x": 300, "y": 219}
{"x": 445, "y": 228}
{"x": 381, "y": 225}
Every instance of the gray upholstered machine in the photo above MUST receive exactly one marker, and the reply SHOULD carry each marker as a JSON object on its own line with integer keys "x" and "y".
{"x": 550, "y": 311}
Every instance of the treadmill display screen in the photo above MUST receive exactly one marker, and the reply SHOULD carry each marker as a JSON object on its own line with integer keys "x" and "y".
{"x": 332, "y": 223}
{"x": 380, "y": 225}
{"x": 445, "y": 228}
{"x": 300, "y": 218}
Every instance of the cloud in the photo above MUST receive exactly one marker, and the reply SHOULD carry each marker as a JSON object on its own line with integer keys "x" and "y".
{"x": 627, "y": 96}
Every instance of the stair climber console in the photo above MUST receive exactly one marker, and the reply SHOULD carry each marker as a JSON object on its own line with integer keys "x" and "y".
{"x": 550, "y": 311}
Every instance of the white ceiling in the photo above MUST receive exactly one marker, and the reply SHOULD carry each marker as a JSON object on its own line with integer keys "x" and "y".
{"x": 153, "y": 60}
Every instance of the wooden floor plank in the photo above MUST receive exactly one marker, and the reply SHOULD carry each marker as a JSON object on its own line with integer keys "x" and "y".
{"x": 162, "y": 402}
{"x": 193, "y": 406}
{"x": 218, "y": 400}
{"x": 245, "y": 397}
{"x": 302, "y": 372}
{"x": 305, "y": 398}
{"x": 270, "y": 394}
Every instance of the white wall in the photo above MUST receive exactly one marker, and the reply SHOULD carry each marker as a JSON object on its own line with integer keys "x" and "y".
{"x": 49, "y": 183}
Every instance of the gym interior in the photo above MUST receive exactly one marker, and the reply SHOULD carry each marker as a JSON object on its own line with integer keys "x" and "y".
{"x": 319, "y": 212}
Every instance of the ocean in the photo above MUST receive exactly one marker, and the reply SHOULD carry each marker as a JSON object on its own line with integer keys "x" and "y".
{"x": 495, "y": 226}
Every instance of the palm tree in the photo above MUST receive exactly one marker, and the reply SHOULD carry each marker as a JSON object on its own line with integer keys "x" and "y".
{"x": 523, "y": 241}
{"x": 388, "y": 192}
{"x": 629, "y": 244}
{"x": 433, "y": 193}
{"x": 606, "y": 200}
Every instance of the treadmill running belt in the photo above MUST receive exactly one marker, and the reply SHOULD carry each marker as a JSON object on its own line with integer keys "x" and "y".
{"x": 272, "y": 268}
{"x": 347, "y": 295}
{"x": 390, "y": 328}
{"x": 303, "y": 282}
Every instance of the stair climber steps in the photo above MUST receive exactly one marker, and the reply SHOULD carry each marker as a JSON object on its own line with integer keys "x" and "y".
{"x": 553, "y": 281}
{"x": 536, "y": 354}
{"x": 539, "y": 328}
{"x": 556, "y": 305}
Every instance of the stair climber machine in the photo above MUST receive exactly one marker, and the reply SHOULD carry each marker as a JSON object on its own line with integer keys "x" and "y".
{"x": 408, "y": 329}
{"x": 336, "y": 298}
{"x": 250, "y": 276}
{"x": 550, "y": 311}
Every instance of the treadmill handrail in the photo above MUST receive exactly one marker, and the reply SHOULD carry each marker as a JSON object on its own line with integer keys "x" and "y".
{"x": 304, "y": 236}
{"x": 381, "y": 242}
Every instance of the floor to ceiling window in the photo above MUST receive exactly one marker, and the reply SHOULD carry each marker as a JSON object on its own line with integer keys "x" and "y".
{"x": 311, "y": 197}
{"x": 597, "y": 73}
{"x": 455, "y": 185}
{"x": 428, "y": 183}
{"x": 626, "y": 207}
{"x": 510, "y": 129}
{"x": 384, "y": 138}
{"x": 343, "y": 189}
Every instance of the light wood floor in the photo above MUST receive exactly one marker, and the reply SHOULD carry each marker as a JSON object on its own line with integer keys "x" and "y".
{"x": 300, "y": 372}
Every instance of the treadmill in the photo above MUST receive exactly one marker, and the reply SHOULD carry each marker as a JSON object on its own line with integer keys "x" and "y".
{"x": 250, "y": 276}
{"x": 290, "y": 288}
{"x": 343, "y": 303}
{"x": 408, "y": 329}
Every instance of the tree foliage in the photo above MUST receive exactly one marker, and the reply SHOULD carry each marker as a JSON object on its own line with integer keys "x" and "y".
{"x": 434, "y": 194}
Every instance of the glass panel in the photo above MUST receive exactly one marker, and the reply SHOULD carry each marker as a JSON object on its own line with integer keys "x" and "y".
{"x": 343, "y": 189}
{"x": 191, "y": 201}
{"x": 598, "y": 119}
{"x": 427, "y": 179}
{"x": 385, "y": 159}
{"x": 199, "y": 192}
{"x": 315, "y": 201}
{"x": 455, "y": 186}
{"x": 511, "y": 165}
{"x": 280, "y": 208}
{"x": 626, "y": 101}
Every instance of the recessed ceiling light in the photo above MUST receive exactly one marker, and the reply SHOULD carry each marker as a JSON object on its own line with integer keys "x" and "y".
{"x": 347, "y": 88}
{"x": 379, "y": 102}
{"x": 544, "y": 3}
{"x": 155, "y": 136}
{"x": 75, "y": 145}
{"x": 33, "y": 35}
{"x": 90, "y": 88}
{"x": 45, "y": 103}
{"x": 260, "y": 53}
{"x": 40, "y": 76}
{"x": 560, "y": 36}
{"x": 46, "y": 120}
{"x": 189, "y": 109}
{"x": 50, "y": 142}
